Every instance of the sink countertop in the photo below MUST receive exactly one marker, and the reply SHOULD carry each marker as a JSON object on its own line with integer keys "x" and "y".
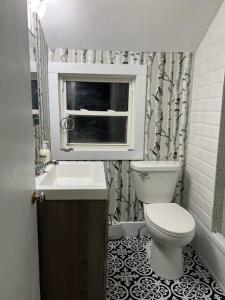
{"x": 73, "y": 180}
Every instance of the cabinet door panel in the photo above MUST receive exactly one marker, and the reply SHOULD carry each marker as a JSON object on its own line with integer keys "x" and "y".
{"x": 72, "y": 248}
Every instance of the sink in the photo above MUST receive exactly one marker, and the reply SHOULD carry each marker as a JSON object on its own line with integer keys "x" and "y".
{"x": 71, "y": 180}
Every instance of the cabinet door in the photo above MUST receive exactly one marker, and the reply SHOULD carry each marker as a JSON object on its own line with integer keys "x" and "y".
{"x": 72, "y": 249}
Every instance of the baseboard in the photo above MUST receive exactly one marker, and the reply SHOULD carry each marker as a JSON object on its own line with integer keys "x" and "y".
{"x": 121, "y": 229}
{"x": 221, "y": 285}
{"x": 210, "y": 248}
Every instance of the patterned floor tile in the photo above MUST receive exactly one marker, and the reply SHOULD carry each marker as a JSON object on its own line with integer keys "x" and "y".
{"x": 130, "y": 276}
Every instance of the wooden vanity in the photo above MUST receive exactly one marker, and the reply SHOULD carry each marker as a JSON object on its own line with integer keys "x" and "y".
{"x": 72, "y": 249}
{"x": 72, "y": 244}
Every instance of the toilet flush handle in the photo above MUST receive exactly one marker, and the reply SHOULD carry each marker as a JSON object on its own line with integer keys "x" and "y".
{"x": 144, "y": 175}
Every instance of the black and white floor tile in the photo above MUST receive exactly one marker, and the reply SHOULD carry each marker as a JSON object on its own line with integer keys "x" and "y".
{"x": 130, "y": 276}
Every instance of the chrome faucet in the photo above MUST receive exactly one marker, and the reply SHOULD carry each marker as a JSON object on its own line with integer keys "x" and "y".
{"x": 41, "y": 166}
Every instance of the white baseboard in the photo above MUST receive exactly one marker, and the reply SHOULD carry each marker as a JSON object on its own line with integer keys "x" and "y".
{"x": 211, "y": 249}
{"x": 121, "y": 229}
{"x": 221, "y": 285}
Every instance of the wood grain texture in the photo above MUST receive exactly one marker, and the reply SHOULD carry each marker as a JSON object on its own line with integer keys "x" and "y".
{"x": 72, "y": 249}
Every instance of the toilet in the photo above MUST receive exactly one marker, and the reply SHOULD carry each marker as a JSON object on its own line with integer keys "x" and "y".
{"x": 171, "y": 226}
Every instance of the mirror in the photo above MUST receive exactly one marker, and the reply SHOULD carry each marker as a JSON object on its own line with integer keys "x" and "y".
{"x": 34, "y": 90}
{"x": 38, "y": 49}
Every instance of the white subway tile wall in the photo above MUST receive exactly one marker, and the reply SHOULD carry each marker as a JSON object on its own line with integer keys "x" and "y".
{"x": 207, "y": 89}
{"x": 208, "y": 77}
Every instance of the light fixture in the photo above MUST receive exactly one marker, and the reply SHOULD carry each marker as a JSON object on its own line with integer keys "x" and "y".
{"x": 38, "y": 6}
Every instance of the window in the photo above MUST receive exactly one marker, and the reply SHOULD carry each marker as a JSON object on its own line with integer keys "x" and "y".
{"x": 34, "y": 96}
{"x": 97, "y": 111}
{"x": 34, "y": 88}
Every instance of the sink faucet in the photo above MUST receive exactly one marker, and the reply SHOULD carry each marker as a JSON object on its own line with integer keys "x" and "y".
{"x": 41, "y": 166}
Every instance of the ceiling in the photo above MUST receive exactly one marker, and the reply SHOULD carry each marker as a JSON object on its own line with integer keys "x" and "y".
{"x": 163, "y": 25}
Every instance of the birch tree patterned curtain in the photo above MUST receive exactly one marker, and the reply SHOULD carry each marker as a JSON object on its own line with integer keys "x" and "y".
{"x": 168, "y": 81}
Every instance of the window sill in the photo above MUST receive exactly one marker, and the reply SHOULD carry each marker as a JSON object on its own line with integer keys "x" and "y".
{"x": 98, "y": 154}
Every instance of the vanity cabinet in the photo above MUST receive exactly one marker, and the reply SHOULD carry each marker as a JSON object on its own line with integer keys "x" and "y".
{"x": 72, "y": 249}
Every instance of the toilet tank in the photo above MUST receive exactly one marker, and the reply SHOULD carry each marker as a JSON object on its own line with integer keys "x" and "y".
{"x": 155, "y": 181}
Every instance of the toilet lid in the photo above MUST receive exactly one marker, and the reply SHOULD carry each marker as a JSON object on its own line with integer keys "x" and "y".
{"x": 170, "y": 218}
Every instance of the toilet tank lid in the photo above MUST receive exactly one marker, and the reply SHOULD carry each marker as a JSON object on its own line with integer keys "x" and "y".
{"x": 155, "y": 166}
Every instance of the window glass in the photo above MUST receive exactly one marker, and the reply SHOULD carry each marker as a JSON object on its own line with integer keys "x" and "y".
{"x": 98, "y": 129}
{"x": 97, "y": 96}
{"x": 34, "y": 92}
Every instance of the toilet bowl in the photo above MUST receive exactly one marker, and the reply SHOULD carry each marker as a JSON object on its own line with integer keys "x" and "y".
{"x": 171, "y": 226}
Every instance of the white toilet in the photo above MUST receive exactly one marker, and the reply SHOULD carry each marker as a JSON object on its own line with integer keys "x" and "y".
{"x": 171, "y": 226}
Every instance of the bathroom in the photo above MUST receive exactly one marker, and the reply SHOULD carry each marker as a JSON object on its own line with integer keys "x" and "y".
{"x": 112, "y": 149}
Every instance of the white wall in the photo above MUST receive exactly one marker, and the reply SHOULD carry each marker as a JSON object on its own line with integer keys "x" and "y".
{"x": 209, "y": 67}
{"x": 146, "y": 25}
{"x": 18, "y": 224}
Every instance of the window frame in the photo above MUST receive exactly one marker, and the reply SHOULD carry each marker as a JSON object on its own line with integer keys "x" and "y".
{"x": 134, "y": 74}
{"x": 64, "y": 112}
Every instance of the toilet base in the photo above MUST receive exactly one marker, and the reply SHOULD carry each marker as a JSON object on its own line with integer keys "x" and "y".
{"x": 167, "y": 262}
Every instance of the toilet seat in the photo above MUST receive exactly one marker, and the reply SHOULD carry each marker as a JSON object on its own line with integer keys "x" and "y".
{"x": 170, "y": 218}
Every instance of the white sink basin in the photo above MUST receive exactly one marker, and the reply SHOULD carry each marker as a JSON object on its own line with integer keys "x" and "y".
{"x": 73, "y": 180}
